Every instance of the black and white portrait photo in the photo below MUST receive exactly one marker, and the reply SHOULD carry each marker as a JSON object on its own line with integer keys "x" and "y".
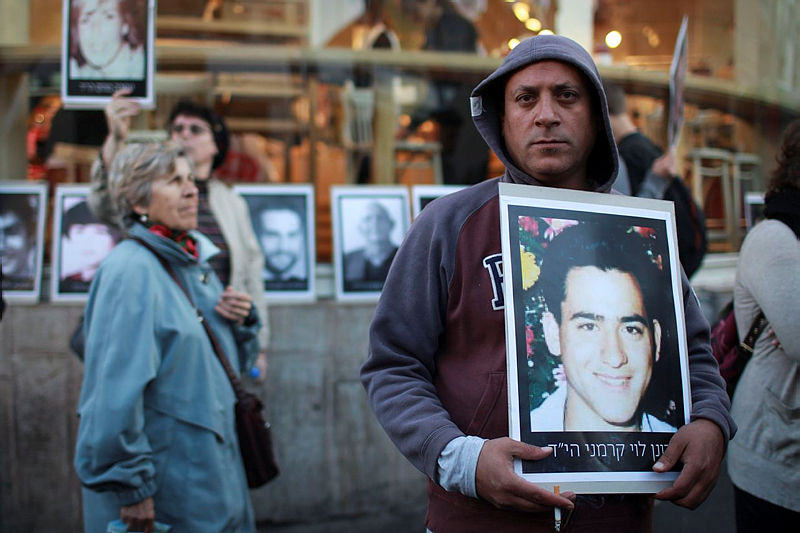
{"x": 422, "y": 195}
{"x": 107, "y": 45}
{"x": 599, "y": 359}
{"x": 22, "y": 211}
{"x": 80, "y": 243}
{"x": 283, "y": 221}
{"x": 369, "y": 225}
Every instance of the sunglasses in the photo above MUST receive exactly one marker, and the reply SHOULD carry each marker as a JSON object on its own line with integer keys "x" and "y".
{"x": 194, "y": 129}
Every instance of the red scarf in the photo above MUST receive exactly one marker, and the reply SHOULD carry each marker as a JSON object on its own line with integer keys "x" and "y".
{"x": 187, "y": 243}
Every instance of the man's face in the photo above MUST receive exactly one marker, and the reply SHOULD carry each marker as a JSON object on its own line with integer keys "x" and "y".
{"x": 548, "y": 124}
{"x": 375, "y": 226}
{"x": 282, "y": 239}
{"x": 607, "y": 349}
{"x": 100, "y": 29}
{"x": 13, "y": 243}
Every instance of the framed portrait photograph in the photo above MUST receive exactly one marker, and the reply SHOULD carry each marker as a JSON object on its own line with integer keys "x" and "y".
{"x": 596, "y": 338}
{"x": 422, "y": 195}
{"x": 80, "y": 243}
{"x": 753, "y": 209}
{"x": 283, "y": 221}
{"x": 22, "y": 212}
{"x": 107, "y": 45}
{"x": 369, "y": 223}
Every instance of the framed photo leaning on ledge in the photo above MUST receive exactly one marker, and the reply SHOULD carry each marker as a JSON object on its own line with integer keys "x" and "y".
{"x": 22, "y": 213}
{"x": 596, "y": 342}
{"x": 283, "y": 222}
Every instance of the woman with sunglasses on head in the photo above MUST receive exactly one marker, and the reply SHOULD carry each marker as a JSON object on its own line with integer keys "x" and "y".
{"x": 222, "y": 214}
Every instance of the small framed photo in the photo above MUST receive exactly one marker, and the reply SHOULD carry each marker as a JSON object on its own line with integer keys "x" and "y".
{"x": 80, "y": 243}
{"x": 107, "y": 45}
{"x": 283, "y": 221}
{"x": 422, "y": 195}
{"x": 597, "y": 351}
{"x": 369, "y": 223}
{"x": 22, "y": 213}
{"x": 753, "y": 209}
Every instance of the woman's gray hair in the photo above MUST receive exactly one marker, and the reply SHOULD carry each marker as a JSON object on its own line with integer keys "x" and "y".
{"x": 128, "y": 183}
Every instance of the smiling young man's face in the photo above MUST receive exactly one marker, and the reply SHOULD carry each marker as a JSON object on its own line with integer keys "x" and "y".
{"x": 548, "y": 125}
{"x": 607, "y": 347}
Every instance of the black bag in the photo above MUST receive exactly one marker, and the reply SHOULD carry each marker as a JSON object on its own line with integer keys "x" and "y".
{"x": 254, "y": 433}
{"x": 690, "y": 223}
{"x": 255, "y": 441}
{"x": 77, "y": 340}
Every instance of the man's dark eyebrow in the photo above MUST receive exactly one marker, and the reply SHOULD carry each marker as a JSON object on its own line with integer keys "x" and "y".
{"x": 587, "y": 315}
{"x": 636, "y": 318}
{"x": 558, "y": 87}
{"x": 599, "y": 318}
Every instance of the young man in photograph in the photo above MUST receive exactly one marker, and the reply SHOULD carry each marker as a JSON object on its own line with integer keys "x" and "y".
{"x": 601, "y": 295}
{"x": 282, "y": 237}
{"x": 436, "y": 371}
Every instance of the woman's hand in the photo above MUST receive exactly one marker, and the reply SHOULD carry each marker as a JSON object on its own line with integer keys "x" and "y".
{"x": 139, "y": 516}
{"x": 234, "y": 305}
{"x": 119, "y": 112}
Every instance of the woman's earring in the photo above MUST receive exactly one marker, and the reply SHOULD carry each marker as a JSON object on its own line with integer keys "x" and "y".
{"x": 143, "y": 217}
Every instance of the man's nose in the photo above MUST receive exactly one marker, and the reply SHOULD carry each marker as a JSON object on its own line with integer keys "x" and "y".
{"x": 613, "y": 350}
{"x": 546, "y": 113}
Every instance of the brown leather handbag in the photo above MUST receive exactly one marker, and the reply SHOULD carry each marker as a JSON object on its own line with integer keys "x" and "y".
{"x": 255, "y": 436}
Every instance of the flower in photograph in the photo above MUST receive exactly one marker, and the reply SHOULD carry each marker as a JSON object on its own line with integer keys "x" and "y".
{"x": 529, "y": 341}
{"x": 556, "y": 226}
{"x": 648, "y": 233}
{"x": 529, "y": 224}
{"x": 530, "y": 270}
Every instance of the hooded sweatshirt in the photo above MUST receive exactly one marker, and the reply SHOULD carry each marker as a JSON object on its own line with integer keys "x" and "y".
{"x": 436, "y": 368}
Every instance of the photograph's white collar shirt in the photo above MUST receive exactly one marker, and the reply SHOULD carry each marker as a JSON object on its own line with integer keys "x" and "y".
{"x": 549, "y": 416}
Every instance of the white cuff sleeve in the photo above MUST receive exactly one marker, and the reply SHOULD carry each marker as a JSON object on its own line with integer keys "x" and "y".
{"x": 458, "y": 463}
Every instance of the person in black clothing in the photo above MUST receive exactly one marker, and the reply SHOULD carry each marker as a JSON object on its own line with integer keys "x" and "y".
{"x": 647, "y": 171}
{"x": 464, "y": 155}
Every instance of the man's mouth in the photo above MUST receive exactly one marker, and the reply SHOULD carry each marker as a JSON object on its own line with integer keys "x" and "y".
{"x": 614, "y": 381}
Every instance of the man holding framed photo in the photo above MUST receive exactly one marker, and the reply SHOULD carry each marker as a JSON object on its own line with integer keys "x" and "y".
{"x": 436, "y": 372}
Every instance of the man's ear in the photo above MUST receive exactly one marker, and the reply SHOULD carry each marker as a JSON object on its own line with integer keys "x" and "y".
{"x": 552, "y": 336}
{"x": 657, "y": 339}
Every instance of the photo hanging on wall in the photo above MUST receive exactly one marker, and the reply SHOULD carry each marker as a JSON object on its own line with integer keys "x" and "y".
{"x": 22, "y": 217}
{"x": 283, "y": 222}
{"x": 80, "y": 243}
{"x": 422, "y": 195}
{"x": 369, "y": 223}
{"x": 107, "y": 45}
{"x": 597, "y": 351}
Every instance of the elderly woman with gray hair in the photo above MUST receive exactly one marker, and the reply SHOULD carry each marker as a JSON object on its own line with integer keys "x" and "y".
{"x": 157, "y": 438}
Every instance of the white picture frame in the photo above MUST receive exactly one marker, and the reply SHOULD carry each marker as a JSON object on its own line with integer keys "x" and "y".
{"x": 422, "y": 195}
{"x": 753, "y": 209}
{"x": 589, "y": 460}
{"x": 23, "y": 206}
{"x": 283, "y": 219}
{"x": 79, "y": 244}
{"x": 354, "y": 208}
{"x": 93, "y": 69}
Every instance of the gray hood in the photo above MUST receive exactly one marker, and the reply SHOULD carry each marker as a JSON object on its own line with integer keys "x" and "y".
{"x": 603, "y": 161}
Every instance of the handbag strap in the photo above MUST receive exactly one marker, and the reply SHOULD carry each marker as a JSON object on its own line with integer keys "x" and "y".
{"x": 235, "y": 383}
{"x": 749, "y": 341}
